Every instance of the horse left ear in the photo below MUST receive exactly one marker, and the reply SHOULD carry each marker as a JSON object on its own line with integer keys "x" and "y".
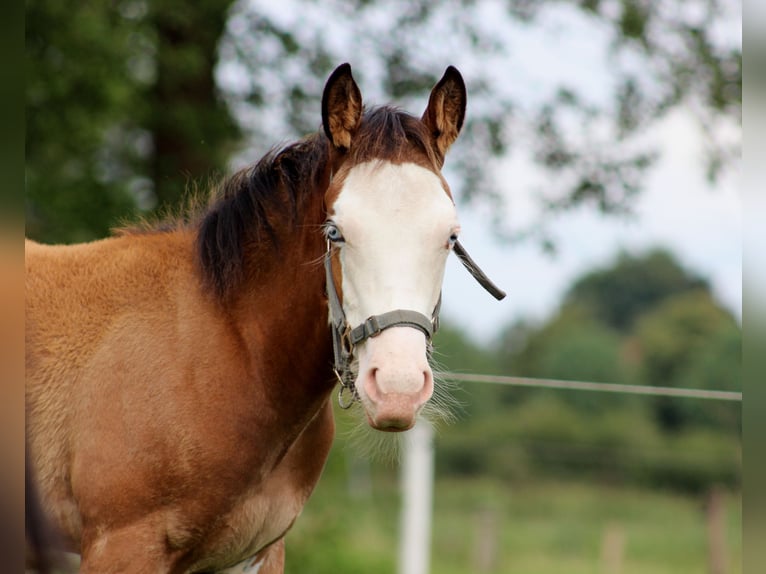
{"x": 341, "y": 107}
{"x": 446, "y": 109}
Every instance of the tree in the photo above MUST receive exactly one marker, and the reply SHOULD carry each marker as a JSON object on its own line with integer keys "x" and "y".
{"x": 123, "y": 111}
{"x": 689, "y": 340}
{"x": 81, "y": 98}
{"x": 644, "y": 319}
{"x": 618, "y": 294}
{"x": 718, "y": 367}
{"x": 572, "y": 345}
{"x": 193, "y": 133}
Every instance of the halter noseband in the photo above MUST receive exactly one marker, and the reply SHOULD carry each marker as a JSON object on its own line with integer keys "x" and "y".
{"x": 345, "y": 338}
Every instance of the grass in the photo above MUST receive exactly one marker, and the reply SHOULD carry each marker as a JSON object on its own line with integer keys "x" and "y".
{"x": 529, "y": 528}
{"x": 560, "y": 527}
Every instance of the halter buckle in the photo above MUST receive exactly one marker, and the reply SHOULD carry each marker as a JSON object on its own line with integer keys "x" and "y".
{"x": 372, "y": 326}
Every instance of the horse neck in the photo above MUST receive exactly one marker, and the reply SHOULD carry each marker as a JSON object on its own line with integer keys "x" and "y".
{"x": 281, "y": 311}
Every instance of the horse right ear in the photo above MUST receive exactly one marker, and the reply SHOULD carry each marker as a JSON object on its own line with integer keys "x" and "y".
{"x": 341, "y": 107}
{"x": 446, "y": 109}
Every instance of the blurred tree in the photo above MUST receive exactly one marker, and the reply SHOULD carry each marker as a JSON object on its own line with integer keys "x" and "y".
{"x": 645, "y": 319}
{"x": 718, "y": 367}
{"x": 80, "y": 118}
{"x": 454, "y": 351}
{"x": 123, "y": 109}
{"x": 678, "y": 340}
{"x": 618, "y": 294}
{"x": 191, "y": 128}
{"x": 535, "y": 345}
{"x": 573, "y": 345}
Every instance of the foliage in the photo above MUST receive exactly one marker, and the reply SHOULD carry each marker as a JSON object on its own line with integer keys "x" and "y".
{"x": 192, "y": 130}
{"x": 455, "y": 351}
{"x": 719, "y": 366}
{"x": 130, "y": 101}
{"x": 645, "y": 320}
{"x": 81, "y": 100}
{"x": 678, "y": 339}
{"x": 619, "y": 293}
{"x": 122, "y": 110}
{"x": 660, "y": 58}
{"x": 548, "y": 436}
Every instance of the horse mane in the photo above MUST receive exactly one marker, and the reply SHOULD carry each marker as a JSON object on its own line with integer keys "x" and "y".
{"x": 246, "y": 203}
{"x": 242, "y": 209}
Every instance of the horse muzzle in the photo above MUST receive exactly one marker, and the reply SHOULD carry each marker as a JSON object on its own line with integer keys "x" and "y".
{"x": 395, "y": 379}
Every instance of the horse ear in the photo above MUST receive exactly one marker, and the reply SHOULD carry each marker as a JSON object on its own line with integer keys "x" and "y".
{"x": 446, "y": 109}
{"x": 341, "y": 107}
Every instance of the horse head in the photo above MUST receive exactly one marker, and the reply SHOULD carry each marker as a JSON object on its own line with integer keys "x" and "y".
{"x": 391, "y": 223}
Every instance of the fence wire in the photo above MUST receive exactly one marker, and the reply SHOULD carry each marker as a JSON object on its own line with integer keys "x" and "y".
{"x": 598, "y": 387}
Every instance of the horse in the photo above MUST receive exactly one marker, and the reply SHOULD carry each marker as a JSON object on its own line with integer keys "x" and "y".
{"x": 180, "y": 374}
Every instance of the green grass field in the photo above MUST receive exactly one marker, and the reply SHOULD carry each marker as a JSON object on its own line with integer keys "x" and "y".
{"x": 530, "y": 528}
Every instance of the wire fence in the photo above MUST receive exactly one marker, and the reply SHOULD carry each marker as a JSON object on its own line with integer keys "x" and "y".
{"x": 597, "y": 387}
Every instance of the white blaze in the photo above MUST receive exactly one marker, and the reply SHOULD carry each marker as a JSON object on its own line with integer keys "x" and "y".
{"x": 396, "y": 221}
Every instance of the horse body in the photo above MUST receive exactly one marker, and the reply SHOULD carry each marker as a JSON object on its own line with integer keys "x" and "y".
{"x": 178, "y": 378}
{"x": 163, "y": 386}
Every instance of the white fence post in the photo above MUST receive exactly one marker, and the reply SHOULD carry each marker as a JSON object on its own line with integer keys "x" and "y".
{"x": 417, "y": 495}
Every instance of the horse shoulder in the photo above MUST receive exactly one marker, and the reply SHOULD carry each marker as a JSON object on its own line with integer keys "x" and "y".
{"x": 266, "y": 511}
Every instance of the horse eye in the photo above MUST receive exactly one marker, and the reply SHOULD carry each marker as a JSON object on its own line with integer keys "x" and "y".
{"x": 333, "y": 233}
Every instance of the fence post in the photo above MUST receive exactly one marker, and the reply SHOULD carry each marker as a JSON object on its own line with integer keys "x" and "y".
{"x": 485, "y": 549}
{"x": 417, "y": 486}
{"x": 612, "y": 549}
{"x": 716, "y": 531}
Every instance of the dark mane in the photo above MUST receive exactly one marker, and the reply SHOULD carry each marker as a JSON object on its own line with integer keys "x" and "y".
{"x": 246, "y": 207}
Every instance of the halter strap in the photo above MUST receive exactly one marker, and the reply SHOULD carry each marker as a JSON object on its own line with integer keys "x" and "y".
{"x": 374, "y": 325}
{"x": 476, "y": 272}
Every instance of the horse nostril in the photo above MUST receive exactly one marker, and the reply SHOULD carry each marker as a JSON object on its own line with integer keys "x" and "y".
{"x": 371, "y": 385}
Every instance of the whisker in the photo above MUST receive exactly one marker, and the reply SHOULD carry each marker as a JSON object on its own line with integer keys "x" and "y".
{"x": 316, "y": 262}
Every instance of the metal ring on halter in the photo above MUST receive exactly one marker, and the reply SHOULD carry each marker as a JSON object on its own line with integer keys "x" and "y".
{"x": 344, "y": 386}
{"x": 341, "y": 403}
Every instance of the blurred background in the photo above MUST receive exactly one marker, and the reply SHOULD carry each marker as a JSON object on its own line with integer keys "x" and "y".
{"x": 597, "y": 179}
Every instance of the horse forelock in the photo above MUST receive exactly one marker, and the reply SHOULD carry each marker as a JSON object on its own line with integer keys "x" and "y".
{"x": 388, "y": 133}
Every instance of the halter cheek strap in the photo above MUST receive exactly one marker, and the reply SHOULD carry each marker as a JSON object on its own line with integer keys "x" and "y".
{"x": 345, "y": 338}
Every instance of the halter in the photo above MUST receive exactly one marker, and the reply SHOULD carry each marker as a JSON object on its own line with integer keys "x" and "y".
{"x": 345, "y": 338}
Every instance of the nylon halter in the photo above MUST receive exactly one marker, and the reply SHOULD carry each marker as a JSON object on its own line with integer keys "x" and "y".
{"x": 345, "y": 338}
